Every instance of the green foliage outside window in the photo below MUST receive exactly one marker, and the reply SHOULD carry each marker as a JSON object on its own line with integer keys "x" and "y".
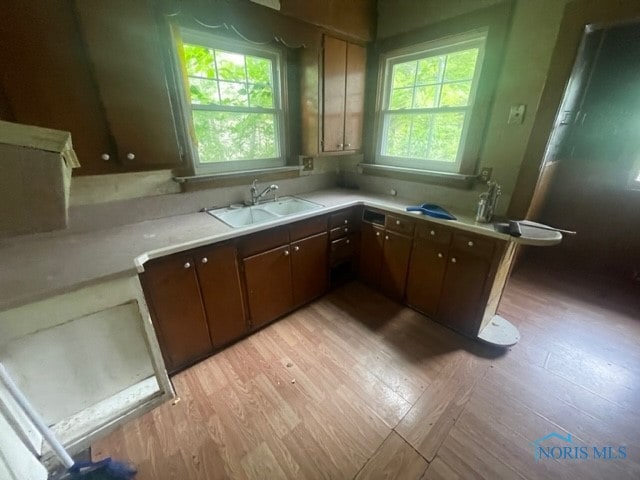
{"x": 233, "y": 104}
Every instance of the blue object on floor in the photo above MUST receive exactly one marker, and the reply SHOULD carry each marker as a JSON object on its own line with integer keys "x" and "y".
{"x": 432, "y": 210}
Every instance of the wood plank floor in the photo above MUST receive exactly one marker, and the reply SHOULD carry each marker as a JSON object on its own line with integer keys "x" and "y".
{"x": 356, "y": 386}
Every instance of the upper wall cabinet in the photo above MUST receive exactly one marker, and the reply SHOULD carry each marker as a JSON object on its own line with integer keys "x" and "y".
{"x": 123, "y": 44}
{"x": 334, "y": 123}
{"x": 92, "y": 68}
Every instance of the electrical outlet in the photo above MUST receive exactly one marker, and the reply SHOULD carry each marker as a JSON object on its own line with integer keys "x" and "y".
{"x": 485, "y": 174}
{"x": 307, "y": 163}
{"x": 516, "y": 114}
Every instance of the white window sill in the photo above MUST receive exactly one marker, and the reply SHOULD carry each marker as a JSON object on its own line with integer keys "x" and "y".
{"x": 427, "y": 176}
{"x": 236, "y": 174}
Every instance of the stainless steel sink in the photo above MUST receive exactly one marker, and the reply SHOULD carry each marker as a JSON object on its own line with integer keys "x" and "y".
{"x": 262, "y": 213}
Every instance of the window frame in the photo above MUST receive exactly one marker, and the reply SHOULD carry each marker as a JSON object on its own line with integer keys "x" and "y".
{"x": 467, "y": 151}
{"x": 215, "y": 41}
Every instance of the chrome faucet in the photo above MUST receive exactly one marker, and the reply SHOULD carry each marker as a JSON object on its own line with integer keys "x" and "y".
{"x": 255, "y": 196}
{"x": 488, "y": 202}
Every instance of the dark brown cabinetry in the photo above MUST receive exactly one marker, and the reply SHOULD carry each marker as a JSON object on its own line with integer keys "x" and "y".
{"x": 344, "y": 66}
{"x": 219, "y": 279}
{"x": 123, "y": 45}
{"x": 93, "y": 68}
{"x": 309, "y": 272}
{"x": 173, "y": 294}
{"x": 426, "y": 271}
{"x": 385, "y": 253}
{"x": 449, "y": 274}
{"x": 289, "y": 275}
{"x": 344, "y": 240}
{"x": 196, "y": 303}
{"x": 463, "y": 288}
{"x": 395, "y": 262}
{"x": 269, "y": 288}
{"x": 441, "y": 272}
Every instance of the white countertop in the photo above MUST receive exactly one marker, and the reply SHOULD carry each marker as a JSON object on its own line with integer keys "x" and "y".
{"x": 36, "y": 267}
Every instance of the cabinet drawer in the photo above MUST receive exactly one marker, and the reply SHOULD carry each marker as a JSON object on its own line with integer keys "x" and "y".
{"x": 342, "y": 218}
{"x": 307, "y": 228}
{"x": 434, "y": 233}
{"x": 342, "y": 249}
{"x": 399, "y": 224}
{"x": 263, "y": 241}
{"x": 473, "y": 245}
{"x": 339, "y": 232}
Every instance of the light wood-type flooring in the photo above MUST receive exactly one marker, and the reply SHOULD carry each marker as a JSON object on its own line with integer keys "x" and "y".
{"x": 357, "y": 386}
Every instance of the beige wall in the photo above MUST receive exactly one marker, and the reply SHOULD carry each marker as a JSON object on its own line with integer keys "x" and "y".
{"x": 528, "y": 53}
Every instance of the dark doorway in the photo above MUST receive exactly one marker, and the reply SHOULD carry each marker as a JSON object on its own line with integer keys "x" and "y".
{"x": 592, "y": 163}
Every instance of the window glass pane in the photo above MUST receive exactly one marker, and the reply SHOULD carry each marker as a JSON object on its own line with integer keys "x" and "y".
{"x": 231, "y": 66}
{"x": 260, "y": 95}
{"x": 401, "y": 98}
{"x": 398, "y": 129}
{"x": 404, "y": 74}
{"x": 203, "y": 92}
{"x": 234, "y": 94}
{"x": 455, "y": 94}
{"x": 461, "y": 65}
{"x": 419, "y": 143}
{"x": 445, "y": 138}
{"x": 229, "y": 136}
{"x": 429, "y": 70}
{"x": 426, "y": 96}
{"x": 199, "y": 61}
{"x": 259, "y": 70}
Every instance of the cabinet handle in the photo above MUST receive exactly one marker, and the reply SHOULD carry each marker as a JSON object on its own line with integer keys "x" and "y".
{"x": 348, "y": 241}
{"x": 377, "y": 234}
{"x": 340, "y": 145}
{"x": 346, "y": 229}
{"x": 205, "y": 260}
{"x": 440, "y": 255}
{"x": 131, "y": 156}
{"x": 470, "y": 243}
{"x": 296, "y": 248}
{"x": 432, "y": 232}
{"x": 348, "y": 145}
{"x": 453, "y": 260}
{"x": 286, "y": 253}
{"x": 386, "y": 237}
{"x": 106, "y": 157}
{"x": 397, "y": 222}
{"x": 346, "y": 222}
{"x": 187, "y": 265}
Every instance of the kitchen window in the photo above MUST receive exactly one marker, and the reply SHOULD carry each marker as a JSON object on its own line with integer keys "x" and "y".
{"x": 233, "y": 104}
{"x": 426, "y": 103}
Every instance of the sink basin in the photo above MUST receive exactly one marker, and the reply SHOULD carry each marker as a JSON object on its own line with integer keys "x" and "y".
{"x": 289, "y": 206}
{"x": 240, "y": 217}
{"x": 255, "y": 214}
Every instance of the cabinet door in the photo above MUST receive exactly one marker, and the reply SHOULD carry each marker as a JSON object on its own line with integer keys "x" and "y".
{"x": 334, "y": 91}
{"x": 47, "y": 79}
{"x": 462, "y": 291}
{"x": 309, "y": 268}
{"x": 219, "y": 278}
{"x": 371, "y": 243}
{"x": 395, "y": 262}
{"x": 354, "y": 103}
{"x": 172, "y": 286}
{"x": 268, "y": 281}
{"x": 426, "y": 273}
{"x": 123, "y": 43}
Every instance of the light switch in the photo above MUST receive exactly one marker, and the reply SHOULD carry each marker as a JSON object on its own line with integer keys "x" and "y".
{"x": 516, "y": 114}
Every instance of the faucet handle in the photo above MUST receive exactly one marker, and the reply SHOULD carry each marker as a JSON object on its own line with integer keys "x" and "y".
{"x": 254, "y": 184}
